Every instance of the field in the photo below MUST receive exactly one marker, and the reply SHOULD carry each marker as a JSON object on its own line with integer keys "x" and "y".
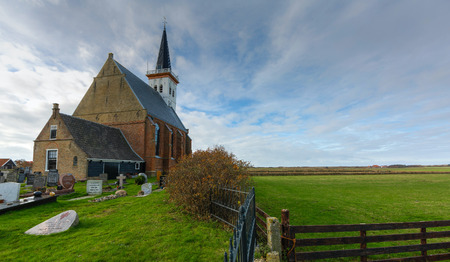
{"x": 354, "y": 199}
{"x": 123, "y": 229}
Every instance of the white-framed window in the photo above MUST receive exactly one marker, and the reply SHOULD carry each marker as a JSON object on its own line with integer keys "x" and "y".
{"x": 53, "y": 129}
{"x": 137, "y": 166}
{"x": 51, "y": 159}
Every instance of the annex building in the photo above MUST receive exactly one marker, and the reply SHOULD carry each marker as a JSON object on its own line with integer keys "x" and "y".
{"x": 122, "y": 125}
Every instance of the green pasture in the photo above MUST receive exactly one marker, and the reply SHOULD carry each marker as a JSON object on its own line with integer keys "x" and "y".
{"x": 124, "y": 229}
{"x": 354, "y": 199}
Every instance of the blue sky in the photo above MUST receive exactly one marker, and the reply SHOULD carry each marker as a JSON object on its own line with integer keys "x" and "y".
{"x": 278, "y": 83}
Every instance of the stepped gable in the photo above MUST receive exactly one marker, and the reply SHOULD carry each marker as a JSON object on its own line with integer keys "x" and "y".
{"x": 99, "y": 141}
{"x": 151, "y": 100}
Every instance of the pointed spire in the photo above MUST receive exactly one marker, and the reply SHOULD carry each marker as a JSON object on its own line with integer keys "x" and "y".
{"x": 163, "y": 56}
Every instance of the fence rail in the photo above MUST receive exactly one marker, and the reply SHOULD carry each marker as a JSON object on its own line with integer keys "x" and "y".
{"x": 290, "y": 241}
{"x": 225, "y": 203}
{"x": 261, "y": 224}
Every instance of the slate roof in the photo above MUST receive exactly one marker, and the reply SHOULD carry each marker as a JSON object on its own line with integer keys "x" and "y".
{"x": 151, "y": 100}
{"x": 99, "y": 141}
{"x": 163, "y": 56}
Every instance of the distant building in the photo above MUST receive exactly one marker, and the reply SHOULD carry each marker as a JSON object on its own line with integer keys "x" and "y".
{"x": 7, "y": 163}
{"x": 122, "y": 125}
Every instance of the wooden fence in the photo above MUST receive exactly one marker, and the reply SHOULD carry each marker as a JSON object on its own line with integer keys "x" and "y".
{"x": 291, "y": 242}
{"x": 261, "y": 224}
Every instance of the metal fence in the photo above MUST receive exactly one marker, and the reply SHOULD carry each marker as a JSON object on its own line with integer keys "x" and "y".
{"x": 243, "y": 241}
{"x": 225, "y": 203}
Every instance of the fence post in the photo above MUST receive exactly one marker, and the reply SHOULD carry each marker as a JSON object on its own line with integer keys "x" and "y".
{"x": 274, "y": 235}
{"x": 286, "y": 233}
{"x": 423, "y": 241}
{"x": 363, "y": 244}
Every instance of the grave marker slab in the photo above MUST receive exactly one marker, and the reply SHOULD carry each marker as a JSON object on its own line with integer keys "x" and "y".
{"x": 30, "y": 179}
{"x": 94, "y": 187}
{"x": 147, "y": 188}
{"x": 21, "y": 178}
{"x": 104, "y": 177}
{"x": 56, "y": 224}
{"x": 67, "y": 181}
{"x": 10, "y": 191}
{"x": 39, "y": 182}
{"x": 144, "y": 175}
{"x": 52, "y": 177}
{"x": 2, "y": 179}
{"x": 11, "y": 177}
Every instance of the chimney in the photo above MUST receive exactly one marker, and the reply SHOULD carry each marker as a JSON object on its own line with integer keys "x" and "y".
{"x": 55, "y": 110}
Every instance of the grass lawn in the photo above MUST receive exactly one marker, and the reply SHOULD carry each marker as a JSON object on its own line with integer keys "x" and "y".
{"x": 123, "y": 229}
{"x": 353, "y": 199}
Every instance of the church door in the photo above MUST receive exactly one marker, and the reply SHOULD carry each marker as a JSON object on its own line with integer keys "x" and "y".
{"x": 112, "y": 169}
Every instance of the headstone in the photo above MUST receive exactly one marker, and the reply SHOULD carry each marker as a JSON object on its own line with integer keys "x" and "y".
{"x": 52, "y": 177}
{"x": 21, "y": 178}
{"x": 94, "y": 187}
{"x": 2, "y": 179}
{"x": 104, "y": 177}
{"x": 147, "y": 188}
{"x": 39, "y": 182}
{"x": 121, "y": 178}
{"x": 67, "y": 181}
{"x": 10, "y": 191}
{"x": 56, "y": 224}
{"x": 27, "y": 170}
{"x": 30, "y": 179}
{"x": 144, "y": 175}
{"x": 11, "y": 177}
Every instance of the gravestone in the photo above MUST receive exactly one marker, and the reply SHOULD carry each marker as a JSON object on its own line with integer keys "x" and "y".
{"x": 11, "y": 177}
{"x": 30, "y": 179}
{"x": 2, "y": 179}
{"x": 67, "y": 181}
{"x": 104, "y": 177}
{"x": 52, "y": 177}
{"x": 56, "y": 224}
{"x": 121, "y": 178}
{"x": 21, "y": 178}
{"x": 10, "y": 191}
{"x": 144, "y": 175}
{"x": 147, "y": 188}
{"x": 94, "y": 187}
{"x": 39, "y": 182}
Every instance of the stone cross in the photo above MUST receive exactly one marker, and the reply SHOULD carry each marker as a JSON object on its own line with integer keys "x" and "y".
{"x": 121, "y": 178}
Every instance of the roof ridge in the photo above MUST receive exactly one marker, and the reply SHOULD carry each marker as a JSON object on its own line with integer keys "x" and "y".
{"x": 82, "y": 119}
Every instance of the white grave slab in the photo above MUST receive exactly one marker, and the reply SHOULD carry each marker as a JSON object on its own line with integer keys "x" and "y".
{"x": 147, "y": 188}
{"x": 94, "y": 187}
{"x": 56, "y": 224}
{"x": 10, "y": 191}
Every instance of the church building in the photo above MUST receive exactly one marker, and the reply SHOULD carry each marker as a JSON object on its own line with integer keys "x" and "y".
{"x": 122, "y": 125}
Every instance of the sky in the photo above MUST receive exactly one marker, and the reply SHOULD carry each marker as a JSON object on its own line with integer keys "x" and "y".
{"x": 277, "y": 83}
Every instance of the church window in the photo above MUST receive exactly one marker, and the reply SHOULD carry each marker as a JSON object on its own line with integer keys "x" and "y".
{"x": 171, "y": 142}
{"x": 160, "y": 88}
{"x": 173, "y": 93}
{"x": 53, "y": 129}
{"x": 156, "y": 140}
{"x": 75, "y": 161}
{"x": 156, "y": 88}
{"x": 170, "y": 90}
{"x": 52, "y": 157}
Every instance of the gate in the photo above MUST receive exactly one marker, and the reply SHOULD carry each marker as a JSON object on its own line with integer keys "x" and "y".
{"x": 242, "y": 243}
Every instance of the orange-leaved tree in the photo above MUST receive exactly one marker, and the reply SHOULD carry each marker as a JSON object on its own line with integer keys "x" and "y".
{"x": 192, "y": 179}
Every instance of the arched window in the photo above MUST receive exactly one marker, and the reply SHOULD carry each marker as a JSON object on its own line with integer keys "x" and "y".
{"x": 173, "y": 93}
{"x": 75, "y": 161}
{"x": 170, "y": 90}
{"x": 171, "y": 142}
{"x": 156, "y": 140}
{"x": 160, "y": 89}
{"x": 156, "y": 88}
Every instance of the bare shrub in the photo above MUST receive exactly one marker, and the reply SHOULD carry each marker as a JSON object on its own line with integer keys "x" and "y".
{"x": 190, "y": 182}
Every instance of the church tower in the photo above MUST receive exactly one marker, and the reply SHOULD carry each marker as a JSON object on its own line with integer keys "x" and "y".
{"x": 162, "y": 79}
